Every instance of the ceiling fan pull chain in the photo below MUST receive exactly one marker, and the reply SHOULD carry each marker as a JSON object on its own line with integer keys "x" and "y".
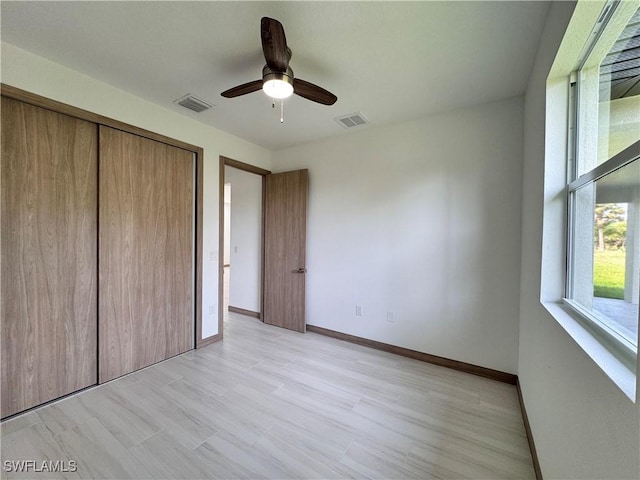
{"x": 281, "y": 111}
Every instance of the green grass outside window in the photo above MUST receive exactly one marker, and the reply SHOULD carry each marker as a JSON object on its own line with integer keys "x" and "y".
{"x": 608, "y": 273}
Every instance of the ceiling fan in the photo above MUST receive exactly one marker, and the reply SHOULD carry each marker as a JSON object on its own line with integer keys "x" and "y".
{"x": 277, "y": 77}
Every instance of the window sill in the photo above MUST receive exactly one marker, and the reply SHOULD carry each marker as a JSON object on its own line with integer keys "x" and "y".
{"x": 613, "y": 367}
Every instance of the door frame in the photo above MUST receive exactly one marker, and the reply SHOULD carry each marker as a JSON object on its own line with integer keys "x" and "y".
{"x": 229, "y": 162}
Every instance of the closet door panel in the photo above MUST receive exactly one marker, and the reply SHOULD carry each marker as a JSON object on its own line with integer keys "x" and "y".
{"x": 48, "y": 255}
{"x": 145, "y": 252}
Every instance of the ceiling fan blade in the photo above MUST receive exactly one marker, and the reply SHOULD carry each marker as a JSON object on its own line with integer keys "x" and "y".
{"x": 313, "y": 92}
{"x": 243, "y": 89}
{"x": 274, "y": 44}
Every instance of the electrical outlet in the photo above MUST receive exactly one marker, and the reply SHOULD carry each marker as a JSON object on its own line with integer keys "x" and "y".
{"x": 390, "y": 317}
{"x": 211, "y": 310}
{"x": 212, "y": 255}
{"x": 358, "y": 310}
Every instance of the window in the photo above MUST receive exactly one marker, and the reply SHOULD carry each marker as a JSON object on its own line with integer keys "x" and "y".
{"x": 603, "y": 278}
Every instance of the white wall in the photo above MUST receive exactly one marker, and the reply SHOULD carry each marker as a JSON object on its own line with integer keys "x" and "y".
{"x": 584, "y": 426}
{"x": 35, "y": 74}
{"x": 421, "y": 219}
{"x": 246, "y": 239}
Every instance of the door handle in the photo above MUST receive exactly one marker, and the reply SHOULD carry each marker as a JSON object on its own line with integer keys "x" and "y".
{"x": 299, "y": 270}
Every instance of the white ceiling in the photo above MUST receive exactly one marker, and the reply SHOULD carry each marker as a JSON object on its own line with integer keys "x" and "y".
{"x": 392, "y": 61}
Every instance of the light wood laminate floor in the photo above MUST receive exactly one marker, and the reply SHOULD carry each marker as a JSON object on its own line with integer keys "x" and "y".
{"x": 269, "y": 403}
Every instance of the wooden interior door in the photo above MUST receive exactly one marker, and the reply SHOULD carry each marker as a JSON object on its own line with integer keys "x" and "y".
{"x": 146, "y": 210}
{"x": 48, "y": 255}
{"x": 285, "y": 234}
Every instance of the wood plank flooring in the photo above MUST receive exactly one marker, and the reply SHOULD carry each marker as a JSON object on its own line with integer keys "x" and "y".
{"x": 271, "y": 403}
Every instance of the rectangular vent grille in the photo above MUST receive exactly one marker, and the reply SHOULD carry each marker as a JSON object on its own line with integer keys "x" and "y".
{"x": 352, "y": 120}
{"x": 193, "y": 103}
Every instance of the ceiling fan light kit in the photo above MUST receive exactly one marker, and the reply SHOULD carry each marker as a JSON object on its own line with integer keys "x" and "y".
{"x": 278, "y": 81}
{"x": 277, "y": 85}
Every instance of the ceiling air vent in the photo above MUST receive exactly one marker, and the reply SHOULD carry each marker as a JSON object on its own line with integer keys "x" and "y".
{"x": 193, "y": 103}
{"x": 352, "y": 120}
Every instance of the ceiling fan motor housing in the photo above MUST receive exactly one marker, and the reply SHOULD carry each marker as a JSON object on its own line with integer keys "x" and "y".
{"x": 268, "y": 74}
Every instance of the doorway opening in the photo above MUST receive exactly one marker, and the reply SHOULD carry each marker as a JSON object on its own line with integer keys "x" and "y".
{"x": 241, "y": 223}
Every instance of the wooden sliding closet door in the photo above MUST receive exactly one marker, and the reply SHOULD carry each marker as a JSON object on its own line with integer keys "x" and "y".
{"x": 145, "y": 252}
{"x": 48, "y": 255}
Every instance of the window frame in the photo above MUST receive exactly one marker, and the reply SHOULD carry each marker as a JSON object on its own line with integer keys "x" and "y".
{"x": 618, "y": 345}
